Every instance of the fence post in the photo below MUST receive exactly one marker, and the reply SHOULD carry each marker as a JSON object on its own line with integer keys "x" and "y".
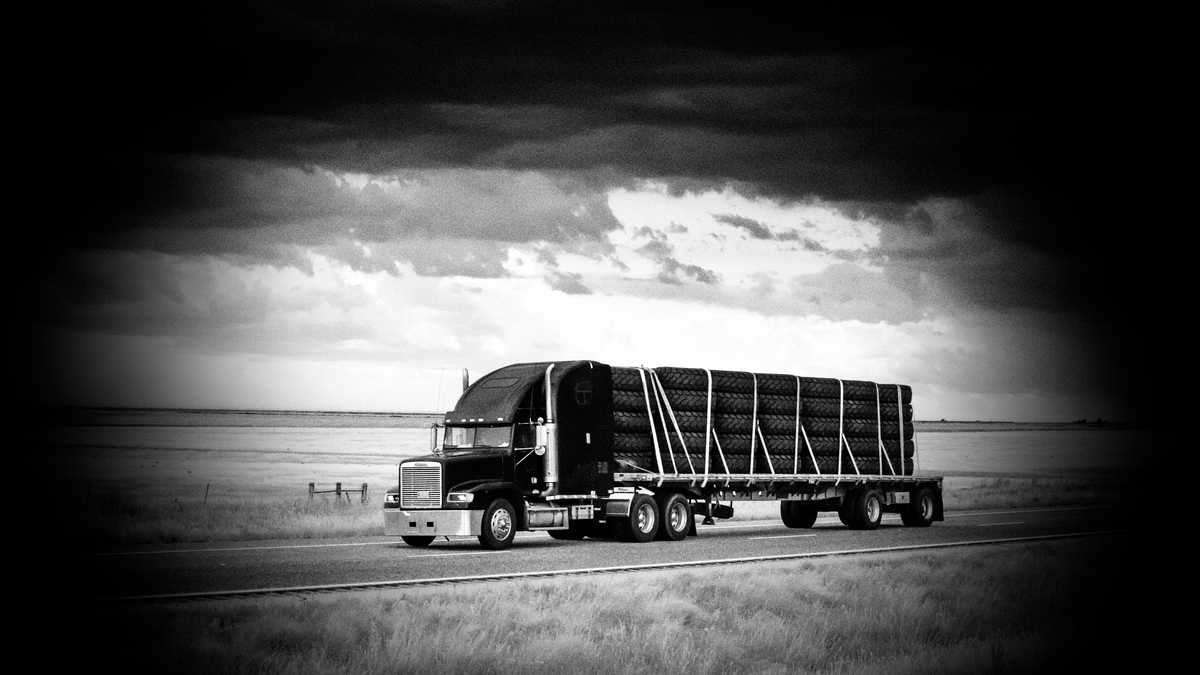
{"x": 206, "y": 486}
{"x": 363, "y": 498}
{"x": 337, "y": 492}
{"x": 311, "y": 488}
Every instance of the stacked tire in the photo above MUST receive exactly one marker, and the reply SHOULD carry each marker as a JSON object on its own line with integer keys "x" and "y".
{"x": 735, "y": 407}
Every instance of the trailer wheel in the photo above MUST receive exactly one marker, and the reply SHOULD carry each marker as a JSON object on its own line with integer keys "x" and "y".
{"x": 797, "y": 515}
{"x": 419, "y": 542}
{"x": 676, "y": 516}
{"x": 642, "y": 524}
{"x": 499, "y": 526}
{"x": 919, "y": 511}
{"x": 846, "y": 510}
{"x": 866, "y": 511}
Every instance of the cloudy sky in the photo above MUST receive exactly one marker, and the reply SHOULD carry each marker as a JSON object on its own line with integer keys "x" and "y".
{"x": 337, "y": 206}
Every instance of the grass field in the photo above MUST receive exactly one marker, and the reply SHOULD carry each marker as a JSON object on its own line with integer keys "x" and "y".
{"x": 1015, "y": 608}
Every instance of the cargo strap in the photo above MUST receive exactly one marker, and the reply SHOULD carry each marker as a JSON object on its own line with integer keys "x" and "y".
{"x": 753, "y": 421}
{"x": 766, "y": 452}
{"x": 801, "y": 431}
{"x": 721, "y": 454}
{"x": 883, "y": 453}
{"x": 842, "y": 442}
{"x": 650, "y": 416}
{"x": 674, "y": 423}
{"x": 708, "y": 430}
{"x": 900, "y": 419}
{"x": 666, "y": 432}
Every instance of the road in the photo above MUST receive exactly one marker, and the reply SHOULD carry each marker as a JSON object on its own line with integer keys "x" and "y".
{"x": 284, "y": 564}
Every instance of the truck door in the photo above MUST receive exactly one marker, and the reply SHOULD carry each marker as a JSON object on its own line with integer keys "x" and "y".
{"x": 529, "y": 467}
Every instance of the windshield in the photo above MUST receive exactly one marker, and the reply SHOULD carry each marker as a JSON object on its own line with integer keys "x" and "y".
{"x": 478, "y": 437}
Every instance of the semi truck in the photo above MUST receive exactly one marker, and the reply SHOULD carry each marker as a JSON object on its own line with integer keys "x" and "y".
{"x": 583, "y": 449}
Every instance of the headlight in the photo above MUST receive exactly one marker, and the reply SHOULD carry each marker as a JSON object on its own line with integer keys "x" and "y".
{"x": 460, "y": 497}
{"x": 391, "y": 498}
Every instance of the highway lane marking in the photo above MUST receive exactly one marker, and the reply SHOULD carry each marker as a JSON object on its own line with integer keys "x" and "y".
{"x": 225, "y": 549}
{"x": 712, "y": 528}
{"x": 399, "y": 583}
{"x": 783, "y": 536}
{"x": 1011, "y": 522}
{"x": 444, "y": 555}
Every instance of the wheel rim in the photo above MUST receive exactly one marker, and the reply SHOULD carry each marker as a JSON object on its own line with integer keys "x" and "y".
{"x": 501, "y": 524}
{"x": 874, "y": 511}
{"x": 678, "y": 515}
{"x": 926, "y": 507}
{"x": 645, "y": 518}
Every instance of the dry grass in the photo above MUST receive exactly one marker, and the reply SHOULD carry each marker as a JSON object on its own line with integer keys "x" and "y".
{"x": 993, "y": 609}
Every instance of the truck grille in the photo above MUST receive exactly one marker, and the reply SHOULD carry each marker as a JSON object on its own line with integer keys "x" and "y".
{"x": 421, "y": 485}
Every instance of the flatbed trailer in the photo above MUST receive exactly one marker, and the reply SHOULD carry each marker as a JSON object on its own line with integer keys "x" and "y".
{"x": 565, "y": 447}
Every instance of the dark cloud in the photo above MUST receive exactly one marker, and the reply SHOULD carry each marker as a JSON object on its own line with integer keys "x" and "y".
{"x": 874, "y": 107}
{"x": 755, "y": 228}
{"x": 658, "y": 250}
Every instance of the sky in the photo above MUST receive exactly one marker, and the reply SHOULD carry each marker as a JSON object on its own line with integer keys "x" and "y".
{"x": 339, "y": 206}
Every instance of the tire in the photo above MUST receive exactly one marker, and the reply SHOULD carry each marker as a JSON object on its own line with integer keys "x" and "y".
{"x": 642, "y": 524}
{"x": 846, "y": 510}
{"x": 675, "y": 518}
{"x": 418, "y": 542}
{"x": 866, "y": 510}
{"x": 920, "y": 508}
{"x": 499, "y": 526}
{"x": 797, "y": 515}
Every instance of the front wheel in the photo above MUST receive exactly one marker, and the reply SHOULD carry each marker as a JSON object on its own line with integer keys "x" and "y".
{"x": 419, "y": 542}
{"x": 499, "y": 526}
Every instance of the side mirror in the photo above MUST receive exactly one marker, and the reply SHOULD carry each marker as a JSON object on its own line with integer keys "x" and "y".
{"x": 435, "y": 438}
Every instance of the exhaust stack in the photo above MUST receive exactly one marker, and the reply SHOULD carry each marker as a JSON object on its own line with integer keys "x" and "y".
{"x": 466, "y": 380}
{"x": 550, "y": 461}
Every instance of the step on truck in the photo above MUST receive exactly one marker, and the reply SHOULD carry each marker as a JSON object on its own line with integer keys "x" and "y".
{"x": 582, "y": 449}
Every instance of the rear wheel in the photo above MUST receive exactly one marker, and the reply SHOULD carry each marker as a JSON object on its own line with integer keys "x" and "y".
{"x": 797, "y": 514}
{"x": 919, "y": 511}
{"x": 676, "y": 518}
{"x": 642, "y": 524}
{"x": 866, "y": 510}
{"x": 499, "y": 526}
{"x": 419, "y": 542}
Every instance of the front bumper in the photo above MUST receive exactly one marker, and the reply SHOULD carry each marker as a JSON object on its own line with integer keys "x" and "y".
{"x": 438, "y": 523}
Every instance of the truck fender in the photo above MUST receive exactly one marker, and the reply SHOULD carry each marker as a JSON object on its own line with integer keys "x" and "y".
{"x": 486, "y": 490}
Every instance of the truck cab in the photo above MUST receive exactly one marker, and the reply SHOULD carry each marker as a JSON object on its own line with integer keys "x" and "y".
{"x": 495, "y": 466}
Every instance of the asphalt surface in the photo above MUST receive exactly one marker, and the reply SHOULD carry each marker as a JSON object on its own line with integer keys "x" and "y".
{"x": 292, "y": 563}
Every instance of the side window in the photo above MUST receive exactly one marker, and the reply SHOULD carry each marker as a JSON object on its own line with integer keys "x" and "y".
{"x": 583, "y": 393}
{"x": 525, "y": 437}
